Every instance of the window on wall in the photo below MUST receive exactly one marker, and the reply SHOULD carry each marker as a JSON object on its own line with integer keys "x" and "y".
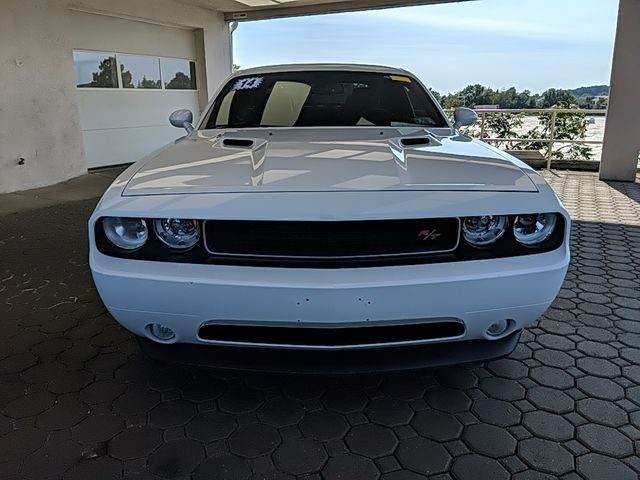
{"x": 138, "y": 71}
{"x": 95, "y": 70}
{"x": 178, "y": 74}
{"x": 120, "y": 70}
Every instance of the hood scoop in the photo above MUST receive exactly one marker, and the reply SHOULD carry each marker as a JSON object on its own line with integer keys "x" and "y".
{"x": 237, "y": 143}
{"x": 415, "y": 141}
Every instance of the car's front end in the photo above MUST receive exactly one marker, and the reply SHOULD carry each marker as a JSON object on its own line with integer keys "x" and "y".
{"x": 330, "y": 241}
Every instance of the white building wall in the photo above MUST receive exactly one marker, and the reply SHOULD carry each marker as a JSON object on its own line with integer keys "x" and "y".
{"x": 39, "y": 115}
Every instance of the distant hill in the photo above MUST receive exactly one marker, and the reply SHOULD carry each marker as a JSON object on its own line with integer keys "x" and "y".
{"x": 593, "y": 91}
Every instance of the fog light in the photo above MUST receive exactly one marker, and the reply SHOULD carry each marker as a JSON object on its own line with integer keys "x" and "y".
{"x": 498, "y": 328}
{"x": 162, "y": 333}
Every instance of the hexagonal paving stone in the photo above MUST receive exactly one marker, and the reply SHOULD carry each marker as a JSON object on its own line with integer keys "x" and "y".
{"x": 241, "y": 399}
{"x": 20, "y": 442}
{"x": 496, "y": 412}
{"x": 31, "y": 403}
{"x": 227, "y": 467}
{"x": 210, "y": 426}
{"x": 546, "y": 456}
{"x": 508, "y": 368}
{"x": 65, "y": 413}
{"x": 389, "y": 412}
{"x": 603, "y": 412}
{"x": 135, "y": 442}
{"x": 474, "y": 467}
{"x": 402, "y": 475}
{"x": 71, "y": 381}
{"x": 176, "y": 458}
{"x": 552, "y": 377}
{"x": 548, "y": 425}
{"x": 600, "y": 367}
{"x": 96, "y": 469}
{"x": 254, "y": 440}
{"x": 456, "y": 377}
{"x": 371, "y": 440}
{"x": 136, "y": 400}
{"x": 300, "y": 456}
{"x": 280, "y": 412}
{"x": 103, "y": 391}
{"x": 172, "y": 413}
{"x": 345, "y": 399}
{"x": 550, "y": 399}
{"x": 490, "y": 440}
{"x": 598, "y": 467}
{"x": 18, "y": 362}
{"x": 436, "y": 425}
{"x": 423, "y": 456}
{"x": 303, "y": 388}
{"x": 603, "y": 388}
{"x": 606, "y": 440}
{"x": 324, "y": 425}
{"x": 502, "y": 388}
{"x": 353, "y": 467}
{"x": 554, "y": 358}
{"x": 97, "y": 428}
{"x": 405, "y": 387}
{"x": 447, "y": 399}
{"x": 203, "y": 389}
{"x": 51, "y": 460}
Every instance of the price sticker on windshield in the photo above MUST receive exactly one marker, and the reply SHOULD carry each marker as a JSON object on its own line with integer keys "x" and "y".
{"x": 248, "y": 83}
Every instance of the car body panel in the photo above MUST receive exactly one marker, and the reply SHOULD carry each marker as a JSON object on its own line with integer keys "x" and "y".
{"x": 318, "y": 159}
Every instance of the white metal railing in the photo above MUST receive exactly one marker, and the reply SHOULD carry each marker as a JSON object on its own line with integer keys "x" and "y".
{"x": 551, "y": 139}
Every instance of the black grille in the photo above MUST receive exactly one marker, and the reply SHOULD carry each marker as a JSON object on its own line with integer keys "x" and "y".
{"x": 341, "y": 336}
{"x": 331, "y": 240}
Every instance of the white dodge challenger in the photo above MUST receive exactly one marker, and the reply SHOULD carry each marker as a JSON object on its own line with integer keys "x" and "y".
{"x": 334, "y": 214}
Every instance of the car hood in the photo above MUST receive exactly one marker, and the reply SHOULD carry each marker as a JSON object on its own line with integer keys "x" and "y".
{"x": 329, "y": 159}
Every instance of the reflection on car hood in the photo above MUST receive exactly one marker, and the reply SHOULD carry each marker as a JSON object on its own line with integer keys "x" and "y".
{"x": 326, "y": 159}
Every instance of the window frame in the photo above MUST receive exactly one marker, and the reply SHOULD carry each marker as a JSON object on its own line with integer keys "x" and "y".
{"x": 120, "y": 87}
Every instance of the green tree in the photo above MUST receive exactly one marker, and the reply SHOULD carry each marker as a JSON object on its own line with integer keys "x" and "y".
{"x": 557, "y": 96}
{"x": 146, "y": 83}
{"x": 106, "y": 76}
{"x": 436, "y": 95}
{"x": 180, "y": 82}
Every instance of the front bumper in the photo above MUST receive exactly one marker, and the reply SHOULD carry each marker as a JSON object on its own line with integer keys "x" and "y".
{"x": 342, "y": 362}
{"x": 186, "y": 296}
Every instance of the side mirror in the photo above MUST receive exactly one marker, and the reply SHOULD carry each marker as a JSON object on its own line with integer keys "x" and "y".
{"x": 182, "y": 119}
{"x": 464, "y": 117}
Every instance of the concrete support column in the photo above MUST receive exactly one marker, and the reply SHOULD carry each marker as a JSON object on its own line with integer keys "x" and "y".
{"x": 622, "y": 131}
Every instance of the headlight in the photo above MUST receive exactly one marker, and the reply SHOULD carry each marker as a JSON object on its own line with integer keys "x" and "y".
{"x": 485, "y": 230}
{"x": 177, "y": 233}
{"x": 125, "y": 233}
{"x": 533, "y": 229}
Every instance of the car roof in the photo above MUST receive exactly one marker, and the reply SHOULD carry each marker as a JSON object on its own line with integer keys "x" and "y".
{"x": 315, "y": 67}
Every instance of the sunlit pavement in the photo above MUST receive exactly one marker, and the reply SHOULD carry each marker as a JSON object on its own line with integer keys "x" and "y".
{"x": 79, "y": 400}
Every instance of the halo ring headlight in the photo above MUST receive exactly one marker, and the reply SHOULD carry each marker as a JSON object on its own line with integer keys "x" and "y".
{"x": 177, "y": 233}
{"x": 126, "y": 233}
{"x": 534, "y": 228}
{"x": 484, "y": 230}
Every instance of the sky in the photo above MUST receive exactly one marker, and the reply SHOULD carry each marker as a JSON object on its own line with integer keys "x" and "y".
{"x": 529, "y": 44}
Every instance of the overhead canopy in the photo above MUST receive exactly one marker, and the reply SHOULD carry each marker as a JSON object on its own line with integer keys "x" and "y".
{"x": 261, "y": 9}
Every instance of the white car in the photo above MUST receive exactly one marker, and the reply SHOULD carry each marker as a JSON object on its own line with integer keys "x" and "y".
{"x": 335, "y": 211}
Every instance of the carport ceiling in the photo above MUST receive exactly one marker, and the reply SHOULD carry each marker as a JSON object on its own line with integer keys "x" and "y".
{"x": 259, "y": 9}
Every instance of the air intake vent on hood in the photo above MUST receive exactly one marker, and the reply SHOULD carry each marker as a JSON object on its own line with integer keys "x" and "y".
{"x": 237, "y": 142}
{"x": 413, "y": 142}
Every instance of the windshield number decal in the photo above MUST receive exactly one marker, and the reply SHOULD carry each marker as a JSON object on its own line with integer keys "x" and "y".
{"x": 248, "y": 83}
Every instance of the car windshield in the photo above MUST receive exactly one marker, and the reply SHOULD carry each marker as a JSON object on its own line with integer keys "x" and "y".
{"x": 323, "y": 99}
